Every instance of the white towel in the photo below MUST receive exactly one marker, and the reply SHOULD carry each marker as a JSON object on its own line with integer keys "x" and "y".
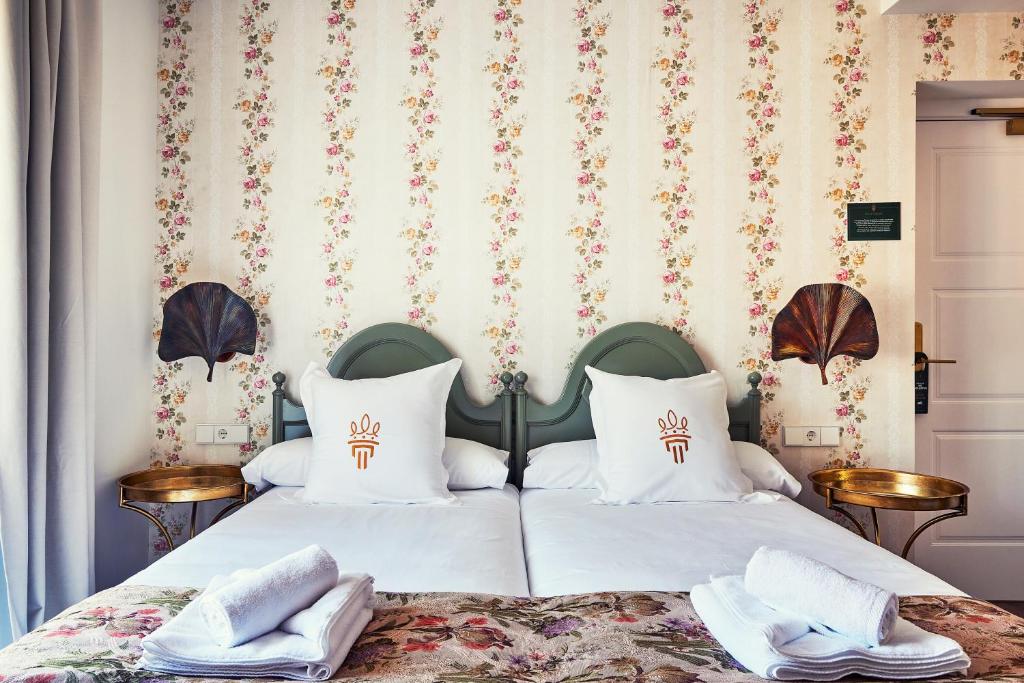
{"x": 829, "y": 600}
{"x": 780, "y": 646}
{"x": 259, "y": 600}
{"x": 311, "y": 645}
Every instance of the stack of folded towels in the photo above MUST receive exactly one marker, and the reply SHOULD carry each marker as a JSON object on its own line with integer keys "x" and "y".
{"x": 295, "y": 618}
{"x": 790, "y": 617}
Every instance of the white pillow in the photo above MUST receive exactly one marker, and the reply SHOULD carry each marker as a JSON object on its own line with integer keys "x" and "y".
{"x": 764, "y": 471}
{"x": 573, "y": 465}
{"x": 664, "y": 440}
{"x": 378, "y": 440}
{"x": 470, "y": 464}
{"x": 562, "y": 465}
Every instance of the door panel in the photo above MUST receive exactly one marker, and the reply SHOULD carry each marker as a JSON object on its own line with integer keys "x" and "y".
{"x": 970, "y": 300}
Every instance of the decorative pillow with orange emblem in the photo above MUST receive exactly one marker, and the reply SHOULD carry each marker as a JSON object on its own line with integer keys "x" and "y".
{"x": 664, "y": 440}
{"x": 378, "y": 440}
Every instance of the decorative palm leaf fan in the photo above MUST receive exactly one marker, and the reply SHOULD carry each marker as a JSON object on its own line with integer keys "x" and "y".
{"x": 208, "y": 320}
{"x": 824, "y": 321}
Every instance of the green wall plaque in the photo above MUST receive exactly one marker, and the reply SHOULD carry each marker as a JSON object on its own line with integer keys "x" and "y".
{"x": 873, "y": 221}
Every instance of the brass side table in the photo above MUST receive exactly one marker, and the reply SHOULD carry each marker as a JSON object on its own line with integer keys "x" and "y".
{"x": 890, "y": 490}
{"x": 183, "y": 484}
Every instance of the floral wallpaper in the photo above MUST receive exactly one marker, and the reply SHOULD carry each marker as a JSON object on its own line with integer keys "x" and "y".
{"x": 674, "y": 66}
{"x": 517, "y": 175}
{"x": 590, "y": 101}
{"x": 339, "y": 78}
{"x": 503, "y": 197}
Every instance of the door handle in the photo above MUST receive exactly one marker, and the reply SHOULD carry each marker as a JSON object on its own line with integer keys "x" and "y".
{"x": 920, "y": 359}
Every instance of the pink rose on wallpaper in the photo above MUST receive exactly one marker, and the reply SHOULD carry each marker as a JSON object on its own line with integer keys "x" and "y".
{"x": 498, "y": 279}
{"x": 512, "y": 216}
{"x": 262, "y": 251}
{"x": 344, "y": 218}
{"x": 769, "y": 245}
{"x": 262, "y": 120}
{"x": 682, "y": 213}
{"x": 842, "y": 5}
{"x": 417, "y": 50}
{"x": 843, "y": 410}
{"x": 415, "y": 181}
{"x": 513, "y": 83}
{"x": 584, "y": 46}
{"x": 332, "y": 149}
{"x": 180, "y": 219}
{"x": 856, "y": 75}
{"x": 583, "y": 178}
{"x": 414, "y": 313}
{"x": 346, "y": 86}
{"x": 597, "y": 248}
{"x": 842, "y": 140}
{"x": 669, "y": 10}
{"x": 500, "y": 146}
{"x": 754, "y": 42}
{"x": 843, "y": 275}
{"x": 249, "y": 183}
{"x": 512, "y": 349}
{"x": 170, "y": 22}
{"x": 929, "y": 37}
{"x": 260, "y": 383}
{"x": 428, "y": 249}
{"x": 597, "y": 115}
{"x": 429, "y": 117}
{"x": 668, "y": 143}
{"x": 668, "y": 278}
{"x": 500, "y": 15}
{"x": 682, "y": 79}
{"x": 181, "y": 90}
{"x": 756, "y": 310}
{"x": 331, "y": 281}
{"x": 162, "y": 413}
{"x": 333, "y": 19}
{"x": 166, "y": 282}
{"x": 250, "y": 53}
{"x": 580, "y": 278}
{"x": 583, "y": 312}
{"x": 754, "y": 175}
{"x": 168, "y": 152}
{"x": 768, "y": 111}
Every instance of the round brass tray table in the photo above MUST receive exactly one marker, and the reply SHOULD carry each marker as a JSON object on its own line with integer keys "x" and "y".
{"x": 890, "y": 490}
{"x": 183, "y": 484}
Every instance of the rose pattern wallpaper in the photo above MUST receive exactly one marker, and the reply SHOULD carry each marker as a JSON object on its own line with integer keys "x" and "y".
{"x": 517, "y": 175}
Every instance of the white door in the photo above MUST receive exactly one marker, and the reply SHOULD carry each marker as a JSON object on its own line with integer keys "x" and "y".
{"x": 970, "y": 301}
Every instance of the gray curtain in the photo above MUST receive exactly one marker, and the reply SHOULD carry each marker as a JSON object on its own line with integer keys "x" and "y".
{"x": 49, "y": 114}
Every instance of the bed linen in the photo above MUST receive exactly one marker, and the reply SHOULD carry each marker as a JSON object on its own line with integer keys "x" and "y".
{"x": 574, "y": 546}
{"x": 474, "y": 546}
{"x": 624, "y": 637}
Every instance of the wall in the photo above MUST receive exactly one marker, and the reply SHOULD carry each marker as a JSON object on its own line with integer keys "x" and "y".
{"x": 517, "y": 175}
{"x": 125, "y": 361}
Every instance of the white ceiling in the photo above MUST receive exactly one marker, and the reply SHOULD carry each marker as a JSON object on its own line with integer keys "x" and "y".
{"x": 959, "y": 6}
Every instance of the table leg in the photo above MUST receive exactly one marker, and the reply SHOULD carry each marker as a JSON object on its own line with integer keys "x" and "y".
{"x": 829, "y": 504}
{"x": 192, "y": 522}
{"x": 960, "y": 512}
{"x": 151, "y": 517}
{"x": 874, "y": 522}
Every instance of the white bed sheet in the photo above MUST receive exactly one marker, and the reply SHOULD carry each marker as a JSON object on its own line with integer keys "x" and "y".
{"x": 573, "y": 546}
{"x": 472, "y": 547}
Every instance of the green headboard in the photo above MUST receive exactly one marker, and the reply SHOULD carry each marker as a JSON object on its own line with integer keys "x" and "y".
{"x": 392, "y": 349}
{"x": 643, "y": 349}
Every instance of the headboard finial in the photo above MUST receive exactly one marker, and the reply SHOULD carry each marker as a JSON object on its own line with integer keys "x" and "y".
{"x": 278, "y": 380}
{"x": 754, "y": 379}
{"x": 519, "y": 383}
{"x": 506, "y": 381}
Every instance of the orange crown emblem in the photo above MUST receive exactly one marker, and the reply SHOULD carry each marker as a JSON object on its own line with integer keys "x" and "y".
{"x": 674, "y": 435}
{"x": 364, "y": 440}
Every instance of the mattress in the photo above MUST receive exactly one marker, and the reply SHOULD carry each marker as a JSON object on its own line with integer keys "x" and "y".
{"x": 473, "y": 547}
{"x": 573, "y": 546}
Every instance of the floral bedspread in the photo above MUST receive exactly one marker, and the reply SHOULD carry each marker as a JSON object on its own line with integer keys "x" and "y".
{"x": 621, "y": 637}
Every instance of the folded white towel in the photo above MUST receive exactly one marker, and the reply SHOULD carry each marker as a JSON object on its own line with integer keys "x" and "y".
{"x": 259, "y": 600}
{"x": 310, "y": 645}
{"x": 776, "y": 645}
{"x": 828, "y": 599}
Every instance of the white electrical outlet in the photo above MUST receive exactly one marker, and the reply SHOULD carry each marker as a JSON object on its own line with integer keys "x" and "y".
{"x": 222, "y": 433}
{"x": 810, "y": 436}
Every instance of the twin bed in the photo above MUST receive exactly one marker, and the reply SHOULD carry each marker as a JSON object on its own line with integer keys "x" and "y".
{"x": 508, "y": 585}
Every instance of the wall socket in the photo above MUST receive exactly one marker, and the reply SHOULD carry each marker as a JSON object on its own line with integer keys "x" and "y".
{"x": 810, "y": 436}
{"x": 222, "y": 433}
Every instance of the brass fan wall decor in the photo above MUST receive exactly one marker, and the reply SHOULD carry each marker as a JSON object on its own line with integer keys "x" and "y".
{"x": 823, "y": 321}
{"x": 208, "y": 320}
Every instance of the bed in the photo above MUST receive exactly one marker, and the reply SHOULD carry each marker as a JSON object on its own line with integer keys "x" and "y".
{"x": 451, "y": 581}
{"x": 574, "y": 547}
{"x": 405, "y": 547}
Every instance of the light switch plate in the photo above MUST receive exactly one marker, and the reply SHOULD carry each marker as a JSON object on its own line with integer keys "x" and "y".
{"x": 829, "y": 436}
{"x": 218, "y": 434}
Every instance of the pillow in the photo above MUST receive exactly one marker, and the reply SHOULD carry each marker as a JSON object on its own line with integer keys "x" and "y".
{"x": 378, "y": 440}
{"x": 573, "y": 465}
{"x": 664, "y": 440}
{"x": 764, "y": 471}
{"x": 474, "y": 465}
{"x": 470, "y": 464}
{"x": 562, "y": 465}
